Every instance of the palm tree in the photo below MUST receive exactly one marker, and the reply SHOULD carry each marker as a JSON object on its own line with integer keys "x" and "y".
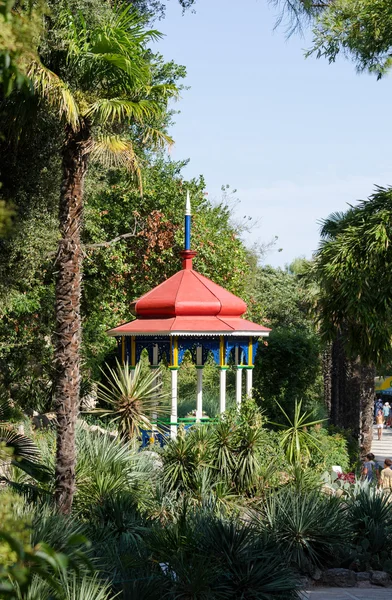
{"x": 354, "y": 305}
{"x": 99, "y": 80}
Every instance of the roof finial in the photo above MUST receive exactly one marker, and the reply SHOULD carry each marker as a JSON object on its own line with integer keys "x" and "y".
{"x": 187, "y": 222}
{"x": 187, "y": 254}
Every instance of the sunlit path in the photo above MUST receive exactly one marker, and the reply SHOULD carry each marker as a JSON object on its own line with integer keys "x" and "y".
{"x": 382, "y": 449}
{"x": 346, "y": 594}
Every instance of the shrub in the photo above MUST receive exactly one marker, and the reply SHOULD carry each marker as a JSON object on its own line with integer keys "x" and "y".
{"x": 331, "y": 450}
{"x": 370, "y": 519}
{"x": 307, "y": 526}
{"x": 207, "y": 557}
{"x": 107, "y": 467}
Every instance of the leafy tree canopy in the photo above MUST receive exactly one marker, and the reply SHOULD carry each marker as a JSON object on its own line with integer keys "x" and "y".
{"x": 352, "y": 267}
{"x": 360, "y": 30}
{"x": 287, "y": 367}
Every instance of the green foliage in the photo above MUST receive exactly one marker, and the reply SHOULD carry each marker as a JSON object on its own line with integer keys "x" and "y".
{"x": 210, "y": 558}
{"x": 18, "y": 33}
{"x": 282, "y": 297}
{"x": 131, "y": 396}
{"x": 19, "y": 451}
{"x": 288, "y": 365}
{"x": 298, "y": 439}
{"x": 370, "y": 519}
{"x": 107, "y": 467}
{"x": 308, "y": 527}
{"x": 6, "y": 215}
{"x": 360, "y": 30}
{"x": 287, "y": 370}
{"x": 332, "y": 449}
{"x": 30, "y": 569}
{"x": 235, "y": 455}
{"x": 353, "y": 300}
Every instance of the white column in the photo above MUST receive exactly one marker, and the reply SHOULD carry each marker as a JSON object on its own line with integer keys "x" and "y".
{"x": 238, "y": 386}
{"x": 238, "y": 378}
{"x": 249, "y": 382}
{"x": 222, "y": 390}
{"x": 173, "y": 416}
{"x": 156, "y": 378}
{"x": 199, "y": 405}
{"x": 199, "y": 368}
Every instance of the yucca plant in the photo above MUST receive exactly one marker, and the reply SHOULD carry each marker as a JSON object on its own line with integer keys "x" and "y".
{"x": 213, "y": 558}
{"x": 69, "y": 587}
{"x": 223, "y": 448}
{"x": 296, "y": 439}
{"x": 107, "y": 467}
{"x": 57, "y": 530}
{"x": 132, "y": 396}
{"x": 88, "y": 587}
{"x": 248, "y": 462}
{"x": 370, "y": 519}
{"x": 309, "y": 528}
{"x": 179, "y": 464}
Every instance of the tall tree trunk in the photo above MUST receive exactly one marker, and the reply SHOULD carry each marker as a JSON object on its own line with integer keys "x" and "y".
{"x": 327, "y": 377}
{"x": 338, "y": 381}
{"x": 351, "y": 408}
{"x": 351, "y": 387}
{"x": 368, "y": 374}
{"x": 68, "y": 320}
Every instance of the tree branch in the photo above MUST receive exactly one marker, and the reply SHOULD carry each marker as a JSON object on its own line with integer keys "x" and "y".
{"x": 124, "y": 236}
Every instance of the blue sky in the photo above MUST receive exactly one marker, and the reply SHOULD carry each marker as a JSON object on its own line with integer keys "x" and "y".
{"x": 298, "y": 138}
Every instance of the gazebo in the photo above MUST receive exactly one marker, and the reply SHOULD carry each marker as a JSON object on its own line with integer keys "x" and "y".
{"x": 190, "y": 312}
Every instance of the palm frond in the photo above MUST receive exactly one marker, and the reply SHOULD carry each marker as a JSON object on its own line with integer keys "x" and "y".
{"x": 20, "y": 451}
{"x": 111, "y": 110}
{"x": 158, "y": 138}
{"x": 51, "y": 88}
{"x": 20, "y": 446}
{"x": 116, "y": 151}
{"x": 6, "y": 409}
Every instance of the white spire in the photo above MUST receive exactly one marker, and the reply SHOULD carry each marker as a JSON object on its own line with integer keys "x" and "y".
{"x": 188, "y": 204}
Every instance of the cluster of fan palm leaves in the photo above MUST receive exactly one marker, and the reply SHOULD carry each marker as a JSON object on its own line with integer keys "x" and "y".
{"x": 104, "y": 81}
{"x": 18, "y": 451}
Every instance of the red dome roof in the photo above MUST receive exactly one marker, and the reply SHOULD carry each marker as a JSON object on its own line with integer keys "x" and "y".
{"x": 189, "y": 294}
{"x": 189, "y": 304}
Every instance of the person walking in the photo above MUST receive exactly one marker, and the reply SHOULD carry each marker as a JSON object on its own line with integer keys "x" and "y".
{"x": 369, "y": 468}
{"x": 379, "y": 423}
{"x": 377, "y": 406}
{"x": 386, "y": 476}
{"x": 387, "y": 413}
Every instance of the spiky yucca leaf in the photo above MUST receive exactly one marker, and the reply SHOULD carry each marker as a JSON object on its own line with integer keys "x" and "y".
{"x": 296, "y": 440}
{"x": 132, "y": 396}
{"x": 308, "y": 527}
